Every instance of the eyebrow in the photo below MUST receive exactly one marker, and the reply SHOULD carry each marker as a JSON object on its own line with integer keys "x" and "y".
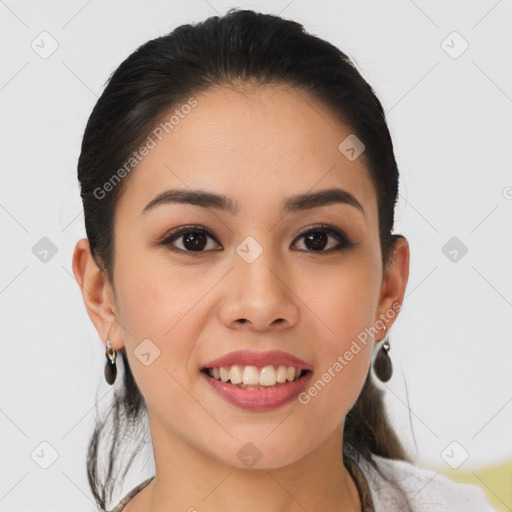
{"x": 224, "y": 203}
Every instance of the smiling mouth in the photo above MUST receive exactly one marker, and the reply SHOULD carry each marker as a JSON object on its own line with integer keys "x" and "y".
{"x": 253, "y": 377}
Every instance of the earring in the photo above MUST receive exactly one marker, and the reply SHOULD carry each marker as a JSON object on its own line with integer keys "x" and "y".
{"x": 110, "y": 367}
{"x": 382, "y": 365}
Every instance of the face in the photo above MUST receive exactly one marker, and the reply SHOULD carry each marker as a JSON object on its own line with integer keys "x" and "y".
{"x": 305, "y": 281}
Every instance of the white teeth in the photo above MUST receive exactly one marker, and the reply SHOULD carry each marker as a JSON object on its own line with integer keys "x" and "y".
{"x": 250, "y": 376}
{"x": 281, "y": 374}
{"x": 267, "y": 376}
{"x": 224, "y": 375}
{"x": 253, "y": 377}
{"x": 235, "y": 374}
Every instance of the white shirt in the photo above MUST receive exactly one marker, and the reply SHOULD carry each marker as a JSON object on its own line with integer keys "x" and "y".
{"x": 426, "y": 490}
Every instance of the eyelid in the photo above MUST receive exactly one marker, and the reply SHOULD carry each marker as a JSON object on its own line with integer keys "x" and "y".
{"x": 324, "y": 227}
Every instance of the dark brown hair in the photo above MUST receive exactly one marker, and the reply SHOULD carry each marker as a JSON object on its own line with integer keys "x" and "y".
{"x": 241, "y": 47}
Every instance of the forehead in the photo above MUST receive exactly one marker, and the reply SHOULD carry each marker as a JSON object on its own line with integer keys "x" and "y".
{"x": 256, "y": 144}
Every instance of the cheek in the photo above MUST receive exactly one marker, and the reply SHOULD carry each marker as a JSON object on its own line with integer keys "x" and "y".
{"x": 159, "y": 326}
{"x": 344, "y": 312}
{"x": 153, "y": 296}
{"x": 345, "y": 305}
{"x": 156, "y": 309}
{"x": 337, "y": 380}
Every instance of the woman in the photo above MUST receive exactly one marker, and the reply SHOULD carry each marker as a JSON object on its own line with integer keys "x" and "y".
{"x": 239, "y": 184}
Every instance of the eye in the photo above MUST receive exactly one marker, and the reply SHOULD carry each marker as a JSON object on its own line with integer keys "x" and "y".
{"x": 318, "y": 237}
{"x": 194, "y": 239}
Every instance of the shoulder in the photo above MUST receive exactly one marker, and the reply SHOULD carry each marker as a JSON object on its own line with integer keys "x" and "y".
{"x": 425, "y": 490}
{"x": 122, "y": 504}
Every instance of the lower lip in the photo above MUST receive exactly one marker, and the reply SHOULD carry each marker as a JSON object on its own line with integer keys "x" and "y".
{"x": 258, "y": 399}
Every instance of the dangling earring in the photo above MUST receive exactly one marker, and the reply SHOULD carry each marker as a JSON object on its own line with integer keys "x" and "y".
{"x": 382, "y": 365}
{"x": 110, "y": 367}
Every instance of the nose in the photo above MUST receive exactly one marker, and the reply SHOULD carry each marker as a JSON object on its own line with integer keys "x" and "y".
{"x": 259, "y": 297}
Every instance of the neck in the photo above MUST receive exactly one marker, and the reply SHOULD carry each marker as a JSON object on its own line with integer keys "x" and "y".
{"x": 189, "y": 480}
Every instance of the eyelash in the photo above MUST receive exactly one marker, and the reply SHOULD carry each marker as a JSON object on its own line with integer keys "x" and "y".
{"x": 174, "y": 235}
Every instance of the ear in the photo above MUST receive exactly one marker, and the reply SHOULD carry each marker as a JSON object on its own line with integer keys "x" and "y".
{"x": 394, "y": 283}
{"x": 97, "y": 293}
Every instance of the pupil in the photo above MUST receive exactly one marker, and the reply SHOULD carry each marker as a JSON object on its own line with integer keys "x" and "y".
{"x": 192, "y": 239}
{"x": 314, "y": 238}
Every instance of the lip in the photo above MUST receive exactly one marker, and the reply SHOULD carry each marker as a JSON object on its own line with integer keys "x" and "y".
{"x": 260, "y": 359}
{"x": 258, "y": 399}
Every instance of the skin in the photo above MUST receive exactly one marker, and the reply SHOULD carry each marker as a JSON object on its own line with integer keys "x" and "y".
{"x": 257, "y": 146}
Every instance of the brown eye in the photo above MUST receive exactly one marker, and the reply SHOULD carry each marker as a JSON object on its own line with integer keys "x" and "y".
{"x": 193, "y": 239}
{"x": 317, "y": 239}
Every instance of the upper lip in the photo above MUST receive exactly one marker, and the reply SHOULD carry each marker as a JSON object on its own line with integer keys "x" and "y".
{"x": 251, "y": 357}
